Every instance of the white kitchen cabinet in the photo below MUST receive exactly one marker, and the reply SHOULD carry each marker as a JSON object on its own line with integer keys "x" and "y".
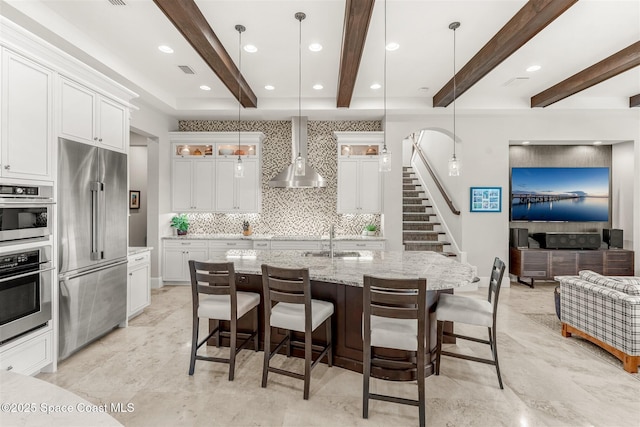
{"x": 176, "y": 256}
{"x": 359, "y": 180}
{"x": 89, "y": 117}
{"x": 26, "y": 119}
{"x": 237, "y": 195}
{"x": 219, "y": 247}
{"x": 296, "y": 245}
{"x": 192, "y": 185}
{"x": 28, "y": 354}
{"x": 261, "y": 244}
{"x": 359, "y": 245}
{"x": 358, "y": 186}
{"x": 138, "y": 283}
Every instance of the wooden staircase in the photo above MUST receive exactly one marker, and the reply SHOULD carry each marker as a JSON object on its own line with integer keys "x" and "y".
{"x": 420, "y": 229}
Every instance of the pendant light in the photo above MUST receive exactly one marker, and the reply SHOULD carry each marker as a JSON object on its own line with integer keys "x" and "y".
{"x": 454, "y": 163}
{"x": 238, "y": 171}
{"x": 299, "y": 164}
{"x": 385, "y": 156}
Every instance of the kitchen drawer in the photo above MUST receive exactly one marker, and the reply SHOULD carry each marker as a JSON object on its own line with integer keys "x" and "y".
{"x": 261, "y": 244}
{"x": 139, "y": 259}
{"x": 296, "y": 245}
{"x": 186, "y": 244}
{"x": 30, "y": 356}
{"x": 224, "y": 245}
{"x": 359, "y": 245}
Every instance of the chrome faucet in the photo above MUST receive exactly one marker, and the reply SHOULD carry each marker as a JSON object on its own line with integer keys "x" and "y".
{"x": 332, "y": 234}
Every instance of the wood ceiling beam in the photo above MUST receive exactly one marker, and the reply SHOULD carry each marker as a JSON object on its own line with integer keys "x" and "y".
{"x": 615, "y": 64}
{"x": 634, "y": 101}
{"x": 532, "y": 18}
{"x": 357, "y": 15}
{"x": 189, "y": 20}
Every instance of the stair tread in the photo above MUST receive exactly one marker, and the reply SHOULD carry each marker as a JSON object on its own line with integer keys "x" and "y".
{"x": 424, "y": 231}
{"x": 421, "y": 222}
{"x": 426, "y": 242}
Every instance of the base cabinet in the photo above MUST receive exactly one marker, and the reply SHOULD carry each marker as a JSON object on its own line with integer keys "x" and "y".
{"x": 176, "y": 256}
{"x": 29, "y": 354}
{"x": 545, "y": 264}
{"x": 138, "y": 283}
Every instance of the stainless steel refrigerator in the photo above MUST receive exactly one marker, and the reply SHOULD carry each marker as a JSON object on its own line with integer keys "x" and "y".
{"x": 92, "y": 236}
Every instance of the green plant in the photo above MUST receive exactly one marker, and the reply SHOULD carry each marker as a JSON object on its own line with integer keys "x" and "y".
{"x": 180, "y": 222}
{"x": 245, "y": 225}
{"x": 370, "y": 227}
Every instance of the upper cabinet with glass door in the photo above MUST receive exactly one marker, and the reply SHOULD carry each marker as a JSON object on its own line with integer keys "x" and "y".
{"x": 359, "y": 144}
{"x": 216, "y": 144}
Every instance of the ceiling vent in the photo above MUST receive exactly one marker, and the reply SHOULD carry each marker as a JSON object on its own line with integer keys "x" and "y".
{"x": 186, "y": 69}
{"x": 516, "y": 81}
{"x": 117, "y": 2}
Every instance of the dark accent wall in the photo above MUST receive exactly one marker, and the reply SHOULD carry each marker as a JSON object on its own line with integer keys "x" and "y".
{"x": 561, "y": 156}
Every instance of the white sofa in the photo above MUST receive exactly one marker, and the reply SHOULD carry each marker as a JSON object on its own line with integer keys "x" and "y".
{"x": 604, "y": 310}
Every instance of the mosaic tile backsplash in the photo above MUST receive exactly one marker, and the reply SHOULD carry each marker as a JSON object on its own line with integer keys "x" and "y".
{"x": 288, "y": 211}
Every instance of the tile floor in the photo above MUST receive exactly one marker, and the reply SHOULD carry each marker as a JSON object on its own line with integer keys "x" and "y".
{"x": 549, "y": 380}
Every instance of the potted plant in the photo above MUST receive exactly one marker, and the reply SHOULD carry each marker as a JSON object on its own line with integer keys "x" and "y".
{"x": 370, "y": 230}
{"x": 180, "y": 223}
{"x": 246, "y": 228}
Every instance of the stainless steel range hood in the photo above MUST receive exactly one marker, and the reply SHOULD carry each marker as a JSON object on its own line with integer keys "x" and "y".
{"x": 287, "y": 178}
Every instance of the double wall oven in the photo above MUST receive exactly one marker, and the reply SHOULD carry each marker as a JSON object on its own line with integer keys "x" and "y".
{"x": 26, "y": 267}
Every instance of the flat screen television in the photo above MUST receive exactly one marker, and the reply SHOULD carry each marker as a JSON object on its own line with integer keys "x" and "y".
{"x": 560, "y": 194}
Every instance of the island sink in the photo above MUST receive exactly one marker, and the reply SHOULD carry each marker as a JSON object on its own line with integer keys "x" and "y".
{"x": 327, "y": 254}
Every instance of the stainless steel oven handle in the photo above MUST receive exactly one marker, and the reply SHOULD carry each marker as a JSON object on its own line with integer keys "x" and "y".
{"x": 30, "y": 273}
{"x": 67, "y": 277}
{"x": 35, "y": 202}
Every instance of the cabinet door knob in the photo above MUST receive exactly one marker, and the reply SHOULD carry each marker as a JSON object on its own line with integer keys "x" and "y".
{"x": 10, "y": 367}
{"x": 7, "y": 167}
{"x": 100, "y": 140}
{"x": 95, "y": 138}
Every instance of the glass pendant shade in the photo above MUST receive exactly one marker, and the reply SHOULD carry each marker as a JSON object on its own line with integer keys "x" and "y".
{"x": 385, "y": 160}
{"x": 299, "y": 168}
{"x": 238, "y": 171}
{"x": 454, "y": 166}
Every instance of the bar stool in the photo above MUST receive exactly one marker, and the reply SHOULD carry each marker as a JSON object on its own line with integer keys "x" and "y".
{"x": 294, "y": 310}
{"x": 220, "y": 301}
{"x": 472, "y": 311}
{"x": 394, "y": 317}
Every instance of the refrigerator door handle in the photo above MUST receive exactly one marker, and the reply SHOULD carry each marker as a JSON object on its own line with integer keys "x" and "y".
{"x": 102, "y": 220}
{"x": 64, "y": 278}
{"x": 95, "y": 226}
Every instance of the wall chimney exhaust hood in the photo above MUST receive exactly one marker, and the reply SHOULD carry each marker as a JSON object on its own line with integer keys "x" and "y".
{"x": 287, "y": 178}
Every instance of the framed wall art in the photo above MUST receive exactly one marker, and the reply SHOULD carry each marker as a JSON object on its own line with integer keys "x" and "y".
{"x": 134, "y": 199}
{"x": 486, "y": 199}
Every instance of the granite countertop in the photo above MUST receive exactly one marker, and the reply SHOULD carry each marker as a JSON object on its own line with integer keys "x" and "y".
{"x": 441, "y": 272}
{"x": 271, "y": 237}
{"x": 133, "y": 250}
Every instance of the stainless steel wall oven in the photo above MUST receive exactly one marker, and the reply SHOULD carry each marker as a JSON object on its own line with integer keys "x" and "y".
{"x": 25, "y": 291}
{"x": 25, "y": 212}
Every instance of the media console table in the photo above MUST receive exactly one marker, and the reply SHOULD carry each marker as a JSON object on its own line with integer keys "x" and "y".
{"x": 544, "y": 264}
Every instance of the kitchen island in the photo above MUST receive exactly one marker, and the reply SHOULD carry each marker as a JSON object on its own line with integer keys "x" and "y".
{"x": 339, "y": 280}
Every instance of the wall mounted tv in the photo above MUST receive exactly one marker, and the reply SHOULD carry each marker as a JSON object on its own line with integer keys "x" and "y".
{"x": 560, "y": 194}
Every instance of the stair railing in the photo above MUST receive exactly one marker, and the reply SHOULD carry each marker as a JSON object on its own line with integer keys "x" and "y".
{"x": 446, "y": 197}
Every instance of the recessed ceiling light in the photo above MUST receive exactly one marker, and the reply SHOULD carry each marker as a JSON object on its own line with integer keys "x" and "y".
{"x": 250, "y": 48}
{"x": 165, "y": 49}
{"x": 315, "y": 47}
{"x": 269, "y": 87}
{"x": 392, "y": 46}
{"x": 526, "y": 142}
{"x": 597, "y": 142}
{"x": 205, "y": 87}
{"x": 375, "y": 86}
{"x": 318, "y": 86}
{"x": 533, "y": 68}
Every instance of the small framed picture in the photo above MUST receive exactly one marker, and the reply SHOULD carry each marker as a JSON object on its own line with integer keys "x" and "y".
{"x": 134, "y": 199}
{"x": 486, "y": 199}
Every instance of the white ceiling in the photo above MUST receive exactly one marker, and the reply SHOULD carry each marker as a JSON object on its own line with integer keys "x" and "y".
{"x": 121, "y": 41}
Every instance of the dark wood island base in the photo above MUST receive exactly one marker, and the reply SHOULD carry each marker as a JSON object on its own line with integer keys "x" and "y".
{"x": 347, "y": 328}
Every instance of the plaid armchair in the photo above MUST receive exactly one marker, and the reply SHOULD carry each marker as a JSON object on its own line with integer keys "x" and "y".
{"x": 604, "y": 310}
